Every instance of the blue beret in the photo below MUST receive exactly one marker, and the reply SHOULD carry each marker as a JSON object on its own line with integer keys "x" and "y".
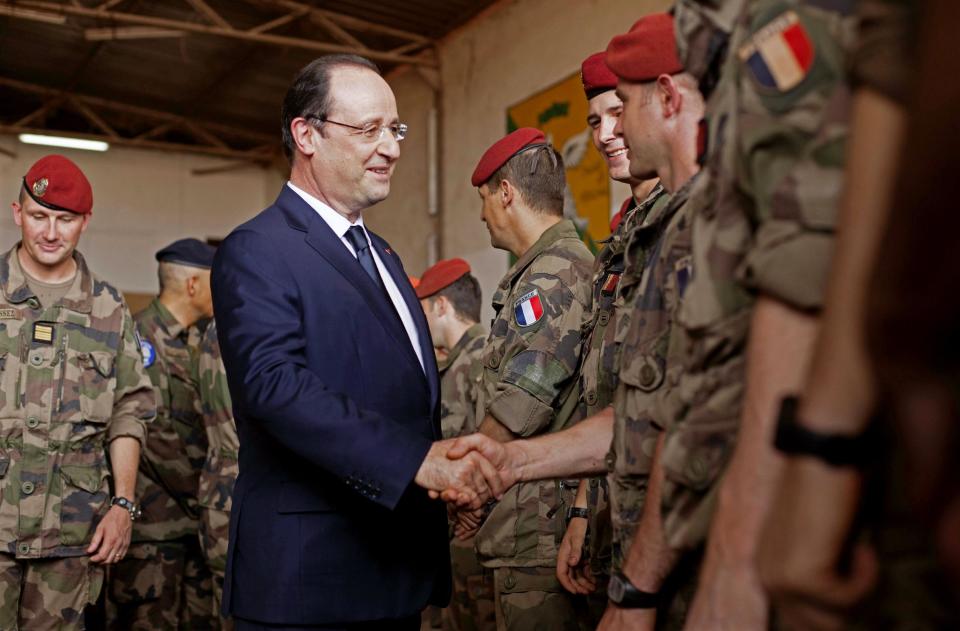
{"x": 190, "y": 252}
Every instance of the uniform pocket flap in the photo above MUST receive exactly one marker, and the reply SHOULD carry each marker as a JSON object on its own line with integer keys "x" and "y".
{"x": 102, "y": 362}
{"x": 643, "y": 371}
{"x": 82, "y": 477}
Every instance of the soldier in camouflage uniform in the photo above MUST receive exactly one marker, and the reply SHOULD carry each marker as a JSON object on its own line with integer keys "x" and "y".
{"x": 451, "y": 299}
{"x": 577, "y": 571}
{"x": 763, "y": 212}
{"x": 220, "y": 468}
{"x": 72, "y": 388}
{"x": 164, "y": 583}
{"x": 530, "y": 360}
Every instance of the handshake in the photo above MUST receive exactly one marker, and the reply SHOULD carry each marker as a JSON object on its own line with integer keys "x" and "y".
{"x": 468, "y": 471}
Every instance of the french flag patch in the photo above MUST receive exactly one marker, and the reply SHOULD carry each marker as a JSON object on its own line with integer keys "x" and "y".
{"x": 528, "y": 309}
{"x": 779, "y": 55}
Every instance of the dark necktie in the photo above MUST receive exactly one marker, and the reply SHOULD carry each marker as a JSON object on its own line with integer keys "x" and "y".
{"x": 358, "y": 240}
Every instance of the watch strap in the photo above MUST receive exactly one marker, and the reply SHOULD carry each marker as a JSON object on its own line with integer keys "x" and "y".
{"x": 626, "y": 595}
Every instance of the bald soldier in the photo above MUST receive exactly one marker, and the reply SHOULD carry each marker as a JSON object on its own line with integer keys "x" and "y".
{"x": 530, "y": 360}
{"x": 451, "y": 299}
{"x": 583, "y": 570}
{"x": 72, "y": 389}
{"x": 164, "y": 583}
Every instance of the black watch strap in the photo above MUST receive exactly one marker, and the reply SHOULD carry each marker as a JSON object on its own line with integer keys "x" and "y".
{"x": 625, "y": 595}
{"x": 576, "y": 511}
{"x": 837, "y": 450}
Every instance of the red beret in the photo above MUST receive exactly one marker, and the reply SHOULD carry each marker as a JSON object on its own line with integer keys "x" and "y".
{"x": 58, "y": 184}
{"x": 596, "y": 76}
{"x": 504, "y": 149}
{"x": 414, "y": 281}
{"x": 647, "y": 51}
{"x": 440, "y": 276}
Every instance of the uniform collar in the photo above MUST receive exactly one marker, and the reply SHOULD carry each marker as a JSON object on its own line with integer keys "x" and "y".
{"x": 78, "y": 298}
{"x": 162, "y": 316}
{"x": 468, "y": 336}
{"x": 563, "y": 229}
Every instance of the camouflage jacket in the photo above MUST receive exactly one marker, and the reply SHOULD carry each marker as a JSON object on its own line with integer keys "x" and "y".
{"x": 460, "y": 376}
{"x": 655, "y": 278}
{"x": 763, "y": 219}
{"x": 71, "y": 381}
{"x": 529, "y": 368}
{"x": 598, "y": 368}
{"x": 171, "y": 460}
{"x": 223, "y": 446}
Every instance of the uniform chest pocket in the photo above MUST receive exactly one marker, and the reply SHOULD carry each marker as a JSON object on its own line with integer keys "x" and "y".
{"x": 89, "y": 380}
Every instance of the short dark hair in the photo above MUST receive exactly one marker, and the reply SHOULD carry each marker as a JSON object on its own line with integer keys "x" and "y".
{"x": 465, "y": 296}
{"x": 310, "y": 92}
{"x": 538, "y": 175}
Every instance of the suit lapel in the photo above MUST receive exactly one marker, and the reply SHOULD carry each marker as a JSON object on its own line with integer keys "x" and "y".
{"x": 326, "y": 243}
{"x": 400, "y": 279}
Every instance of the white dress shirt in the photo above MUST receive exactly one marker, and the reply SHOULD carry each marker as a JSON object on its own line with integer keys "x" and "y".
{"x": 340, "y": 224}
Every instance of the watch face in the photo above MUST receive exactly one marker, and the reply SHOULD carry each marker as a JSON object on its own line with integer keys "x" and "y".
{"x": 615, "y": 589}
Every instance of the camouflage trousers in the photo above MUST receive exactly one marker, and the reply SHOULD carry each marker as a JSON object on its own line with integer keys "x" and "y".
{"x": 47, "y": 594}
{"x": 532, "y": 599}
{"x": 214, "y": 537}
{"x": 471, "y": 608}
{"x": 161, "y": 586}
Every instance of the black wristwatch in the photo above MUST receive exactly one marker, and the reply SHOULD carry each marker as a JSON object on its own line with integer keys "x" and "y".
{"x": 837, "y": 450}
{"x": 576, "y": 511}
{"x": 130, "y": 507}
{"x": 625, "y": 595}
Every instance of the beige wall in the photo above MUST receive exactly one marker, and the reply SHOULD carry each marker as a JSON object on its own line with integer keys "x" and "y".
{"x": 510, "y": 52}
{"x": 143, "y": 200}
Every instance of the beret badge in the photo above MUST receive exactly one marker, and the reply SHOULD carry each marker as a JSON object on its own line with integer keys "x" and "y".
{"x": 40, "y": 187}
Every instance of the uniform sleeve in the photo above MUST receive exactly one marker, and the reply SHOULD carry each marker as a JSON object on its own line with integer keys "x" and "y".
{"x": 532, "y": 379}
{"x": 790, "y": 163}
{"x": 134, "y": 401}
{"x": 884, "y": 51}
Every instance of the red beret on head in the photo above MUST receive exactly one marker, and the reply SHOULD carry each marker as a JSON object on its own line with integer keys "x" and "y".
{"x": 441, "y": 275}
{"x": 414, "y": 281}
{"x": 58, "y": 184}
{"x": 597, "y": 78}
{"x": 504, "y": 149}
{"x": 647, "y": 51}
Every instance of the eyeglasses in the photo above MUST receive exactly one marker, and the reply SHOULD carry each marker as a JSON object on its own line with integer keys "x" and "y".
{"x": 370, "y": 132}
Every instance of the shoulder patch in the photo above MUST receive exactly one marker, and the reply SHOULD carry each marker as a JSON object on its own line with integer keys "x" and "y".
{"x": 780, "y": 54}
{"x": 528, "y": 310}
{"x": 149, "y": 353}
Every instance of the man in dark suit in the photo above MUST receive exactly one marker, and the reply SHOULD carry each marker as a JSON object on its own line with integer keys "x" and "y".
{"x": 334, "y": 383}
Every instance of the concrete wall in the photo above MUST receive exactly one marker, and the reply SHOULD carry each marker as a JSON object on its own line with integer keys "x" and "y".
{"x": 514, "y": 49}
{"x": 143, "y": 200}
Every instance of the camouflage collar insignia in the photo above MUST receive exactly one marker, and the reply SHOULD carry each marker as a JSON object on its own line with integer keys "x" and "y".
{"x": 780, "y": 54}
{"x": 561, "y": 230}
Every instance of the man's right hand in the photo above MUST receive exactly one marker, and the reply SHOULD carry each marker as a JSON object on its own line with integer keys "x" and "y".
{"x": 468, "y": 480}
{"x": 573, "y": 571}
{"x": 507, "y": 458}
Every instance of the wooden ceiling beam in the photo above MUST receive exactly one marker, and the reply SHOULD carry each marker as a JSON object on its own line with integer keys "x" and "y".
{"x": 93, "y": 117}
{"x": 352, "y": 23}
{"x": 262, "y": 38}
{"x": 142, "y": 112}
{"x": 207, "y": 11}
{"x": 257, "y": 155}
{"x": 55, "y": 100}
{"x": 109, "y": 4}
{"x": 30, "y": 14}
{"x": 278, "y": 22}
{"x": 336, "y": 31}
{"x": 129, "y": 32}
